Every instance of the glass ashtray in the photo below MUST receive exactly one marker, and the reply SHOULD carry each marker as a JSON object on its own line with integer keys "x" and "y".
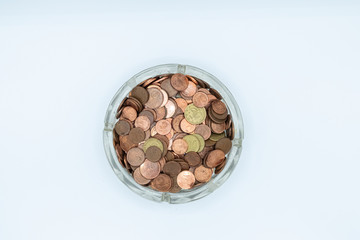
{"x": 184, "y": 195}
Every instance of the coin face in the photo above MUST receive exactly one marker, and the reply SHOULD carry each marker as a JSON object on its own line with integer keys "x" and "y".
{"x": 224, "y": 145}
{"x": 153, "y": 142}
{"x": 193, "y": 159}
{"x": 172, "y": 168}
{"x": 163, "y": 127}
{"x": 179, "y": 82}
{"x": 161, "y": 183}
{"x": 203, "y": 174}
{"x": 200, "y": 99}
{"x": 179, "y": 146}
{"x": 122, "y": 127}
{"x": 153, "y": 153}
{"x": 142, "y": 122}
{"x": 186, "y": 179}
{"x": 136, "y": 135}
{"x": 135, "y": 156}
{"x": 149, "y": 170}
{"x": 139, "y": 178}
{"x": 203, "y": 130}
{"x": 194, "y": 114}
{"x": 215, "y": 158}
{"x": 192, "y": 142}
{"x": 155, "y": 98}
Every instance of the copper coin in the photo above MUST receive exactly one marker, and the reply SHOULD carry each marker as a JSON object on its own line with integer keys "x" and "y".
{"x": 162, "y": 162}
{"x": 140, "y": 93}
{"x": 126, "y": 144}
{"x": 161, "y": 183}
{"x": 160, "y": 113}
{"x": 169, "y": 156}
{"x": 122, "y": 127}
{"x": 204, "y": 90}
{"x": 186, "y": 179}
{"x": 174, "y": 186}
{"x": 203, "y": 131}
{"x": 129, "y": 113}
{"x": 172, "y": 168}
{"x": 218, "y": 127}
{"x": 142, "y": 122}
{"x": 139, "y": 178}
{"x": 166, "y": 85}
{"x": 190, "y": 90}
{"x": 163, "y": 127}
{"x": 219, "y": 168}
{"x": 135, "y": 156}
{"x": 176, "y": 122}
{"x": 170, "y": 134}
{"x": 215, "y": 93}
{"x": 186, "y": 126}
{"x": 179, "y": 81}
{"x": 150, "y": 170}
{"x": 200, "y": 99}
{"x": 205, "y": 151}
{"x": 147, "y": 82}
{"x": 224, "y": 145}
{"x": 218, "y": 106}
{"x": 153, "y": 153}
{"x": 184, "y": 165}
{"x": 155, "y": 98}
{"x": 203, "y": 174}
{"x": 166, "y": 97}
{"x": 182, "y": 104}
{"x": 193, "y": 159}
{"x": 179, "y": 146}
{"x": 170, "y": 108}
{"x": 215, "y": 158}
{"x": 148, "y": 114}
{"x": 137, "y": 135}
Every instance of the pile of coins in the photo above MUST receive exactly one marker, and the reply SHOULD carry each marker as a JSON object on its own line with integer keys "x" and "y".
{"x": 173, "y": 132}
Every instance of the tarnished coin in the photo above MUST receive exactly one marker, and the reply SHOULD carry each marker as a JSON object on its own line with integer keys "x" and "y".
{"x": 224, "y": 145}
{"x": 172, "y": 168}
{"x": 179, "y": 81}
{"x": 186, "y": 179}
{"x": 166, "y": 85}
{"x": 163, "y": 127}
{"x": 161, "y": 183}
{"x": 139, "y": 178}
{"x": 155, "y": 98}
{"x": 142, "y": 122}
{"x": 176, "y": 122}
{"x": 122, "y": 127}
{"x": 193, "y": 159}
{"x": 137, "y": 135}
{"x": 135, "y": 156}
{"x": 153, "y": 153}
{"x": 200, "y": 99}
{"x": 203, "y": 174}
{"x": 192, "y": 142}
{"x": 140, "y": 93}
{"x": 174, "y": 186}
{"x": 129, "y": 113}
{"x": 194, "y": 114}
{"x": 203, "y": 130}
{"x": 150, "y": 170}
{"x": 215, "y": 158}
{"x": 179, "y": 146}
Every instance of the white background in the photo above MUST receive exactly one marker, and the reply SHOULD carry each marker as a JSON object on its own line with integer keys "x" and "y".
{"x": 292, "y": 66}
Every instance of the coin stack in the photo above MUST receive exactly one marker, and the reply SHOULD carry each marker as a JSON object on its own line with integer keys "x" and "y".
{"x": 173, "y": 132}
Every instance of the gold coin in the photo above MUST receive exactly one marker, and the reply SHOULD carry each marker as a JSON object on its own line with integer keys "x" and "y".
{"x": 193, "y": 143}
{"x": 201, "y": 141}
{"x": 195, "y": 115}
{"x": 216, "y": 137}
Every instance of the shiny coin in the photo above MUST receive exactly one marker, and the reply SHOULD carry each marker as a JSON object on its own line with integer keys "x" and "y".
{"x": 180, "y": 146}
{"x": 203, "y": 174}
{"x": 142, "y": 122}
{"x": 163, "y": 127}
{"x": 195, "y": 115}
{"x": 215, "y": 158}
{"x": 187, "y": 127}
{"x": 182, "y": 104}
{"x": 170, "y": 107}
{"x": 161, "y": 183}
{"x": 135, "y": 156}
{"x": 179, "y": 81}
{"x": 150, "y": 170}
{"x": 186, "y": 179}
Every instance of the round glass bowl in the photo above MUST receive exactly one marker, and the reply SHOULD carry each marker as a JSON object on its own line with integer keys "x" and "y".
{"x": 184, "y": 195}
